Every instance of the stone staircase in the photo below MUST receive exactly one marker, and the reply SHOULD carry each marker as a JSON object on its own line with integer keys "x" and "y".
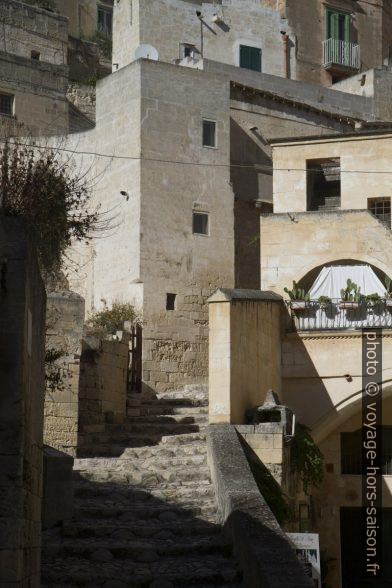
{"x": 147, "y": 516}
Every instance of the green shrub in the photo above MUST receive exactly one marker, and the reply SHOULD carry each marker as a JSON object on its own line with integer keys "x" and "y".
{"x": 306, "y": 458}
{"x": 109, "y": 320}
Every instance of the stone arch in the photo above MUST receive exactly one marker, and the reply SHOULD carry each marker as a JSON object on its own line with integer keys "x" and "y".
{"x": 346, "y": 409}
{"x": 309, "y": 274}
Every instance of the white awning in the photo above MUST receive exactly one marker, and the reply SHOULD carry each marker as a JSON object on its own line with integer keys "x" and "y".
{"x": 333, "y": 278}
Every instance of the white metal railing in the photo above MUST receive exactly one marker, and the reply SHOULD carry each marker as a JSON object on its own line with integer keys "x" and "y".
{"x": 341, "y": 53}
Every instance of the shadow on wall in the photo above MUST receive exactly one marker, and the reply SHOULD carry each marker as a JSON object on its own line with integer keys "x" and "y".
{"x": 248, "y": 186}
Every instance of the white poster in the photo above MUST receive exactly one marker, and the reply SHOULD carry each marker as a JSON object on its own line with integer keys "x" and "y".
{"x": 307, "y": 549}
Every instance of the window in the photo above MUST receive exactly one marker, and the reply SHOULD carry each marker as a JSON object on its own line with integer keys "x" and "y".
{"x": 323, "y": 184}
{"x": 351, "y": 452}
{"x": 338, "y": 25}
{"x": 171, "y": 301}
{"x": 209, "y": 133}
{"x": 250, "y": 57}
{"x": 35, "y": 55}
{"x": 105, "y": 19}
{"x": 381, "y": 208}
{"x": 187, "y": 50}
{"x": 6, "y": 104}
{"x": 200, "y": 223}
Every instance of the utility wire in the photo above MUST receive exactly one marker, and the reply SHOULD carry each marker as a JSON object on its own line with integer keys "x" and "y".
{"x": 253, "y": 166}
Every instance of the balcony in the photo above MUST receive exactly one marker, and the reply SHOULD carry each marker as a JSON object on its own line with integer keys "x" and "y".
{"x": 341, "y": 55}
{"x": 337, "y": 315}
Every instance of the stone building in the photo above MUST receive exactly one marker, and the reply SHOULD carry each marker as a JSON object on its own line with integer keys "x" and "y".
{"x": 85, "y": 17}
{"x": 33, "y": 70}
{"x": 270, "y": 36}
{"x": 189, "y": 205}
{"x": 332, "y": 214}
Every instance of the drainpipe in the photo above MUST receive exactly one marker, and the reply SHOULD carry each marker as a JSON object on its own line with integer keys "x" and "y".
{"x": 286, "y": 54}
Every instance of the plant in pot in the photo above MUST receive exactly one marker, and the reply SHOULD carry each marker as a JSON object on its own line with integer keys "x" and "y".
{"x": 388, "y": 293}
{"x": 324, "y": 301}
{"x": 351, "y": 296}
{"x": 373, "y": 299}
{"x": 299, "y": 299}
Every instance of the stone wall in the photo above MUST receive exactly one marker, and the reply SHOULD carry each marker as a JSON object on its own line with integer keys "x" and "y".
{"x": 103, "y": 383}
{"x": 65, "y": 320}
{"x": 167, "y": 23}
{"x": 22, "y": 342}
{"x": 26, "y": 28}
{"x": 244, "y": 352}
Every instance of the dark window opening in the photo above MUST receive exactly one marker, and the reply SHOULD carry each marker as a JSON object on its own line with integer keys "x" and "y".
{"x": 171, "y": 301}
{"x": 381, "y": 209}
{"x": 35, "y": 55}
{"x": 209, "y": 133}
{"x": 6, "y": 104}
{"x": 105, "y": 20}
{"x": 187, "y": 50}
{"x": 351, "y": 452}
{"x": 200, "y": 223}
{"x": 323, "y": 184}
{"x": 250, "y": 57}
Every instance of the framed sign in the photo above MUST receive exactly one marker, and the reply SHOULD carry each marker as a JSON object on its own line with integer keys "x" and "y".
{"x": 307, "y": 549}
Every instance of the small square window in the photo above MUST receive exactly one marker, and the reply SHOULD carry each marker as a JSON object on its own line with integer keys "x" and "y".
{"x": 171, "y": 301}
{"x": 200, "y": 223}
{"x": 209, "y": 133}
{"x": 6, "y": 104}
{"x": 381, "y": 209}
{"x": 35, "y": 55}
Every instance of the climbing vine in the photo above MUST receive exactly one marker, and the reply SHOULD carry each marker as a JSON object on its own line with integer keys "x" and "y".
{"x": 306, "y": 458}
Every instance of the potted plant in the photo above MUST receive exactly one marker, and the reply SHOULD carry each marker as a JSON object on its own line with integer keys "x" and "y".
{"x": 324, "y": 301}
{"x": 299, "y": 299}
{"x": 388, "y": 293}
{"x": 351, "y": 296}
{"x": 373, "y": 299}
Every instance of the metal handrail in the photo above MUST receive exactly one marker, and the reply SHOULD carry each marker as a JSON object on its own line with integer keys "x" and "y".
{"x": 338, "y": 315}
{"x": 341, "y": 53}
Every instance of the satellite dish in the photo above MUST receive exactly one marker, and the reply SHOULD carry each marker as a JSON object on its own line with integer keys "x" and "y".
{"x": 146, "y": 52}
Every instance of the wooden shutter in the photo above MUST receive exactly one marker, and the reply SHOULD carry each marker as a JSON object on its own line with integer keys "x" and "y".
{"x": 250, "y": 57}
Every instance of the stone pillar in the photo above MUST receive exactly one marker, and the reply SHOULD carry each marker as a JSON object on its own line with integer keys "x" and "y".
{"x": 64, "y": 330}
{"x": 244, "y": 351}
{"x": 22, "y": 345}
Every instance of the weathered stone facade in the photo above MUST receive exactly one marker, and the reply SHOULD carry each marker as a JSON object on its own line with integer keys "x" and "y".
{"x": 22, "y": 333}
{"x": 33, "y": 70}
{"x": 64, "y": 331}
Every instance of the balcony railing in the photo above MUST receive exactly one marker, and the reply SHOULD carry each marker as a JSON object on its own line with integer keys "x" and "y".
{"x": 334, "y": 316}
{"x": 341, "y": 53}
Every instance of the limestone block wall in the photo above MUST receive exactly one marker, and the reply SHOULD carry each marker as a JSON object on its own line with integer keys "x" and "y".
{"x": 22, "y": 342}
{"x": 294, "y": 245}
{"x": 65, "y": 320}
{"x": 244, "y": 352}
{"x": 103, "y": 382}
{"x": 26, "y": 28}
{"x": 358, "y": 155}
{"x": 174, "y": 260}
{"x": 341, "y": 490}
{"x": 167, "y": 23}
{"x": 40, "y": 107}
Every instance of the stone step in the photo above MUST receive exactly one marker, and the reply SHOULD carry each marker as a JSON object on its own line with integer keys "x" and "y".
{"x": 84, "y": 528}
{"x": 162, "y": 451}
{"x": 146, "y": 478}
{"x": 170, "y": 402}
{"x": 171, "y": 493}
{"x": 156, "y": 419}
{"x": 122, "y": 545}
{"x": 143, "y": 510}
{"x": 178, "y": 572}
{"x": 149, "y": 462}
{"x": 168, "y": 410}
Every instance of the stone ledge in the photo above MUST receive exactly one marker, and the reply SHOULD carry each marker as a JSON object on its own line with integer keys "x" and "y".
{"x": 261, "y": 547}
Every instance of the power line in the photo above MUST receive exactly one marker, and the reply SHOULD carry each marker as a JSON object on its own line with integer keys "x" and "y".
{"x": 253, "y": 166}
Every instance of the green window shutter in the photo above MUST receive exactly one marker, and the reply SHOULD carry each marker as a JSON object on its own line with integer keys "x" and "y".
{"x": 250, "y": 58}
{"x": 338, "y": 26}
